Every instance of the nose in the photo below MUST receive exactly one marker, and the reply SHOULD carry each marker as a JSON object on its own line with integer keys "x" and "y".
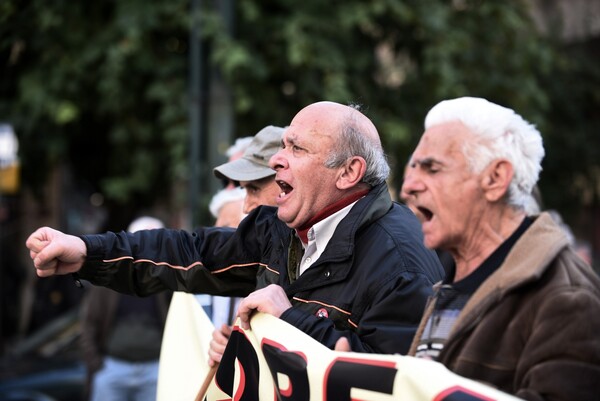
{"x": 278, "y": 161}
{"x": 411, "y": 184}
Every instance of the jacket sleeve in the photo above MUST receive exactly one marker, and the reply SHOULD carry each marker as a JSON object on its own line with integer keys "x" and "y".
{"x": 212, "y": 260}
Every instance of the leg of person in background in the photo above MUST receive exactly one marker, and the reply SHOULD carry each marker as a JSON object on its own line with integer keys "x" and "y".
{"x": 113, "y": 381}
{"x": 146, "y": 377}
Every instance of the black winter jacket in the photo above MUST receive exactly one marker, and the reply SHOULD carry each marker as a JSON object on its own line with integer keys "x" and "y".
{"x": 370, "y": 284}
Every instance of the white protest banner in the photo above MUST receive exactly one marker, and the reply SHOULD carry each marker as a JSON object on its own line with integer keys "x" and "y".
{"x": 184, "y": 351}
{"x": 275, "y": 361}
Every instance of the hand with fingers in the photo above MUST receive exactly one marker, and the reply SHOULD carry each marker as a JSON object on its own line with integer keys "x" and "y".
{"x": 54, "y": 252}
{"x": 271, "y": 299}
{"x": 217, "y": 344}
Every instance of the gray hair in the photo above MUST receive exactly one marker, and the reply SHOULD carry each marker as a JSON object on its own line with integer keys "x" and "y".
{"x": 501, "y": 133}
{"x": 352, "y": 142}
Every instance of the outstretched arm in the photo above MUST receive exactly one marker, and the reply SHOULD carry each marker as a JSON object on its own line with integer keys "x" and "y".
{"x": 54, "y": 252}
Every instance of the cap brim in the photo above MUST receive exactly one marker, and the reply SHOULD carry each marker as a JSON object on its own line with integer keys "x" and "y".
{"x": 242, "y": 170}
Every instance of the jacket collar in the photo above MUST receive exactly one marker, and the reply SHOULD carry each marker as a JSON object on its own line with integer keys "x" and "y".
{"x": 368, "y": 209}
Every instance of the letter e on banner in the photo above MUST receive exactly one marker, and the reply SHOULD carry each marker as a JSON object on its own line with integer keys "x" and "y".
{"x": 346, "y": 374}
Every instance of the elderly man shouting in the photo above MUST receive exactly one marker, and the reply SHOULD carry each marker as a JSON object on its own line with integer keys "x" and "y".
{"x": 521, "y": 311}
{"x": 336, "y": 258}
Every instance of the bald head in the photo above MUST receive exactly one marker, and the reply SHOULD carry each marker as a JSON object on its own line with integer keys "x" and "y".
{"x": 331, "y": 117}
{"x": 352, "y": 134}
{"x": 329, "y": 152}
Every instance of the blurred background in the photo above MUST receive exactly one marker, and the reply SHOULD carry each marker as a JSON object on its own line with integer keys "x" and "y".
{"x": 109, "y": 109}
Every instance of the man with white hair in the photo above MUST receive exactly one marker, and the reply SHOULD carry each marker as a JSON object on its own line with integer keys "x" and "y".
{"x": 521, "y": 310}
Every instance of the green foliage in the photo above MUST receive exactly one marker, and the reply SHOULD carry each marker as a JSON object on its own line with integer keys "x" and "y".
{"x": 572, "y": 167}
{"x": 102, "y": 86}
{"x": 397, "y": 58}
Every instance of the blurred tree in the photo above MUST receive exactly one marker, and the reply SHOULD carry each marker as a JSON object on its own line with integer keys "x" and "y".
{"x": 99, "y": 87}
{"x": 102, "y": 85}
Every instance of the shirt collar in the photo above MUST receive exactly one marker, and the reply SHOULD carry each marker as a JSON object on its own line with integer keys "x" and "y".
{"x": 322, "y": 231}
{"x": 319, "y": 236}
{"x": 328, "y": 211}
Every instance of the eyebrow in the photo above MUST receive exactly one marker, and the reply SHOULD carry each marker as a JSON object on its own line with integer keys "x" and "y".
{"x": 425, "y": 162}
{"x": 290, "y": 139}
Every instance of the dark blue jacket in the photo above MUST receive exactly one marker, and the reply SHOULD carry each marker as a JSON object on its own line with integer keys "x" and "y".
{"x": 370, "y": 284}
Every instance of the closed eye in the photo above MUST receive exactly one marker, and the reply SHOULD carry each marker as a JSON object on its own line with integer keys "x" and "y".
{"x": 290, "y": 143}
{"x": 428, "y": 165}
{"x": 294, "y": 148}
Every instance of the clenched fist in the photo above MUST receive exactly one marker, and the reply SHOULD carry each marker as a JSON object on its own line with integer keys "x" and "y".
{"x": 54, "y": 252}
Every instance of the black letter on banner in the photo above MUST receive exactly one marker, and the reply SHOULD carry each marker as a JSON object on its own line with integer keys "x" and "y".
{"x": 239, "y": 347}
{"x": 348, "y": 373}
{"x": 290, "y": 364}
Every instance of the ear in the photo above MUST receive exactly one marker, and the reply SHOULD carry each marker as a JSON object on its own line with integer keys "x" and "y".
{"x": 351, "y": 173}
{"x": 496, "y": 178}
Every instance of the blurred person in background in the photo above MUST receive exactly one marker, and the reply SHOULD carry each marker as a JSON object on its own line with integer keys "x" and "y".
{"x": 227, "y": 207}
{"x": 121, "y": 338}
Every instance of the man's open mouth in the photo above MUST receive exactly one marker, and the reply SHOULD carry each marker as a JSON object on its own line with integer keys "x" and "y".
{"x": 285, "y": 188}
{"x": 425, "y": 213}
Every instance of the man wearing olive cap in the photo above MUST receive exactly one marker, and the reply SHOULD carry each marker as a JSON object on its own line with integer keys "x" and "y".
{"x": 252, "y": 170}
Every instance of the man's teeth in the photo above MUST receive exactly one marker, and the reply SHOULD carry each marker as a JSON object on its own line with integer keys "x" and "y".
{"x": 282, "y": 194}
